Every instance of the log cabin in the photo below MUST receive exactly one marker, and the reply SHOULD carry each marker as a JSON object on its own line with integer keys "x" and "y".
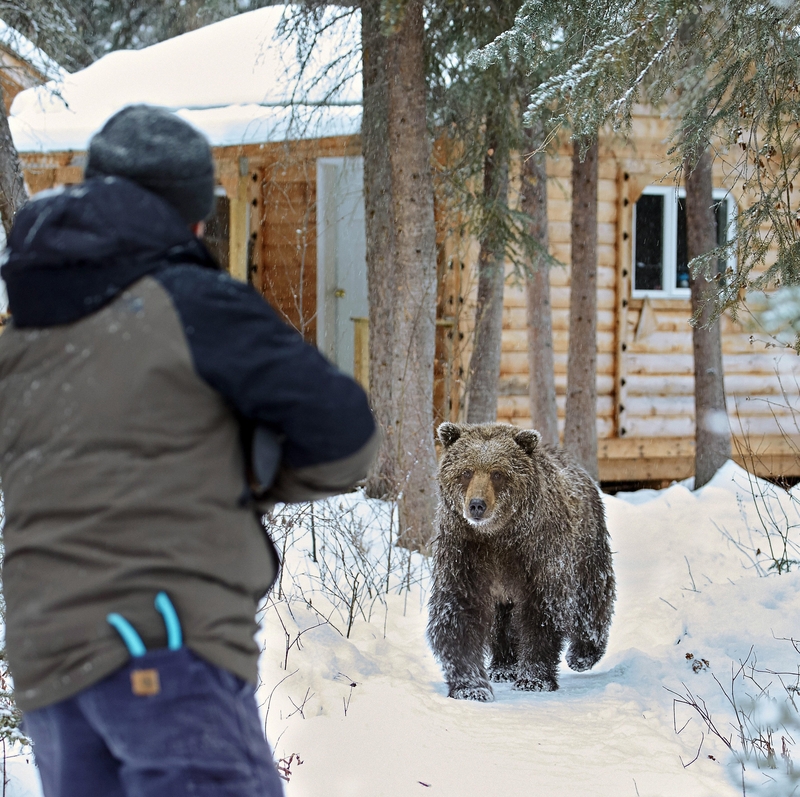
{"x": 23, "y": 65}
{"x": 290, "y": 219}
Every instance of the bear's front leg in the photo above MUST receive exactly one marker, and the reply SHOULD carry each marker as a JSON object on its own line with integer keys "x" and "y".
{"x": 503, "y": 663}
{"x": 458, "y": 628}
{"x": 540, "y": 644}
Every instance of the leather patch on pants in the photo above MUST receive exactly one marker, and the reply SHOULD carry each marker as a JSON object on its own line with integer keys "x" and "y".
{"x": 145, "y": 683}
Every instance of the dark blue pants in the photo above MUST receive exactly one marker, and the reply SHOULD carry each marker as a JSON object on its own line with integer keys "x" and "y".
{"x": 196, "y": 732}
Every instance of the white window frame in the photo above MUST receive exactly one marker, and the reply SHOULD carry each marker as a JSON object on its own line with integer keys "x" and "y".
{"x": 669, "y": 222}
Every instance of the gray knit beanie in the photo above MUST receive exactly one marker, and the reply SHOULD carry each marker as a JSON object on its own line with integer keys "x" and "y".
{"x": 159, "y": 151}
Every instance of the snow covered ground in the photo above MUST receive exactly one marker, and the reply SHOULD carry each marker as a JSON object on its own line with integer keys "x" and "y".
{"x": 355, "y": 705}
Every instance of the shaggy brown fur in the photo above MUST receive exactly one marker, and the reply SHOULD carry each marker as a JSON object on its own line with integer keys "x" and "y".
{"x": 521, "y": 562}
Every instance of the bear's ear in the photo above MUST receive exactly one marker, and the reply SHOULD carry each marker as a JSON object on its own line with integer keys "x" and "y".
{"x": 448, "y": 433}
{"x": 528, "y": 440}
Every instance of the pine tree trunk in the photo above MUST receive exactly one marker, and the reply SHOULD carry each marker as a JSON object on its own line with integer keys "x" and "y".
{"x": 580, "y": 430}
{"x": 12, "y": 186}
{"x": 380, "y": 244}
{"x": 542, "y": 382}
{"x": 712, "y": 433}
{"x": 484, "y": 364}
{"x": 415, "y": 270}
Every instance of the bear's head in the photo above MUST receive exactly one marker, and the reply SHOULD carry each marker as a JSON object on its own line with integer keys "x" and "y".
{"x": 486, "y": 471}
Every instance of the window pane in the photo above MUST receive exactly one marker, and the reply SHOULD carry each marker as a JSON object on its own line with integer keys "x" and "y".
{"x": 721, "y": 221}
{"x": 217, "y": 234}
{"x": 721, "y": 214}
{"x": 649, "y": 243}
{"x": 682, "y": 249}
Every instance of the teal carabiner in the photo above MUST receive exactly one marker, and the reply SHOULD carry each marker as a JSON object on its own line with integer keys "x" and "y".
{"x": 171, "y": 621}
{"x": 128, "y": 633}
{"x": 132, "y": 639}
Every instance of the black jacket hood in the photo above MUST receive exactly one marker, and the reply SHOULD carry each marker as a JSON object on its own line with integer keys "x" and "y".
{"x": 74, "y": 249}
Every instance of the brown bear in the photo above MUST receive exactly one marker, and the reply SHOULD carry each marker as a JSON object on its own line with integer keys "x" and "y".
{"x": 521, "y": 562}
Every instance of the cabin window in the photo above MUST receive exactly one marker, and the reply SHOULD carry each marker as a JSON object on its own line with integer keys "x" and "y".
{"x": 218, "y": 229}
{"x": 659, "y": 242}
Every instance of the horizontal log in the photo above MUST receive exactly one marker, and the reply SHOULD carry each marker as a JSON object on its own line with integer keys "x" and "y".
{"x": 606, "y": 319}
{"x": 559, "y": 166}
{"x": 560, "y": 232}
{"x": 658, "y": 427}
{"x": 515, "y": 363}
{"x": 737, "y": 406}
{"x": 606, "y": 253}
{"x": 606, "y": 206}
{"x": 518, "y": 385}
{"x": 606, "y": 341}
{"x": 606, "y": 298}
{"x": 631, "y": 447}
{"x": 755, "y": 426}
{"x": 605, "y": 406}
{"x": 662, "y": 343}
{"x": 645, "y": 469}
{"x": 762, "y": 385}
{"x": 682, "y": 364}
{"x": 606, "y": 277}
{"x": 605, "y": 426}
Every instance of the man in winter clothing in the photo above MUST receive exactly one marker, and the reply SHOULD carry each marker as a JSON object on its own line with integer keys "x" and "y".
{"x": 131, "y": 378}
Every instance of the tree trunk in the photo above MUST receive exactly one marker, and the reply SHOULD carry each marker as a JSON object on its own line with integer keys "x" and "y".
{"x": 712, "y": 433}
{"x": 12, "y": 186}
{"x": 380, "y": 244}
{"x": 484, "y": 364}
{"x": 415, "y": 274}
{"x": 580, "y": 431}
{"x": 542, "y": 381}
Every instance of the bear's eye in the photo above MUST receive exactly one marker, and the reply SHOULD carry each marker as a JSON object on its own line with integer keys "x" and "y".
{"x": 466, "y": 476}
{"x": 498, "y": 478}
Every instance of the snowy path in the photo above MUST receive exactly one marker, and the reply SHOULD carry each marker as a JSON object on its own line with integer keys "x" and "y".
{"x": 684, "y": 587}
{"x": 606, "y": 732}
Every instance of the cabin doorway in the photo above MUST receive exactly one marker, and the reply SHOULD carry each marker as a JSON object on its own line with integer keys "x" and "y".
{"x": 342, "y": 305}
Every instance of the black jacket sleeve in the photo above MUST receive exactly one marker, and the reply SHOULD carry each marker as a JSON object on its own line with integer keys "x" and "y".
{"x": 272, "y": 378}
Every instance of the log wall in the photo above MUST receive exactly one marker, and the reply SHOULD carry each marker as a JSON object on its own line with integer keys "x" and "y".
{"x": 645, "y": 368}
{"x": 645, "y": 408}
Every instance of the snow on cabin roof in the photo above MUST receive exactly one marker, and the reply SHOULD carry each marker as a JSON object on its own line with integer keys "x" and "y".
{"x": 12, "y": 40}
{"x": 239, "y": 81}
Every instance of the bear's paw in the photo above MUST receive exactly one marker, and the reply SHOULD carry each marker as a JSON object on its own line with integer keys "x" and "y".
{"x": 480, "y": 692}
{"x": 536, "y": 683}
{"x": 503, "y": 673}
{"x": 583, "y": 657}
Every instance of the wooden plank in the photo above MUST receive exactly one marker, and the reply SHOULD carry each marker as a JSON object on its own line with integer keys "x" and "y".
{"x": 623, "y": 245}
{"x": 515, "y": 363}
{"x": 645, "y": 470}
{"x": 659, "y": 405}
{"x": 604, "y": 425}
{"x": 606, "y": 206}
{"x": 606, "y": 298}
{"x": 662, "y": 343}
{"x": 239, "y": 227}
{"x": 606, "y": 253}
{"x": 517, "y": 340}
{"x": 606, "y": 319}
{"x": 518, "y": 385}
{"x": 517, "y": 405}
{"x": 606, "y": 277}
{"x": 681, "y": 364}
{"x": 736, "y": 385}
{"x": 636, "y": 426}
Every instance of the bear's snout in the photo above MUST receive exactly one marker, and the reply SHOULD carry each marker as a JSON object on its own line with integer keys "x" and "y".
{"x": 479, "y": 499}
{"x": 477, "y": 508}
